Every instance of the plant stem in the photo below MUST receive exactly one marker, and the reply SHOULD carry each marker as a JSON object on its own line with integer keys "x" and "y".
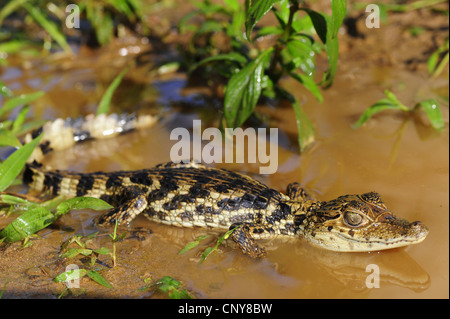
{"x": 282, "y": 41}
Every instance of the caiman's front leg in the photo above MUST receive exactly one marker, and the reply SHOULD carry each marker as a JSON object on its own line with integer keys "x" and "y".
{"x": 132, "y": 202}
{"x": 242, "y": 236}
{"x": 296, "y": 192}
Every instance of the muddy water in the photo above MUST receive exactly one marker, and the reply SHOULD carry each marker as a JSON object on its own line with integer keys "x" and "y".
{"x": 402, "y": 159}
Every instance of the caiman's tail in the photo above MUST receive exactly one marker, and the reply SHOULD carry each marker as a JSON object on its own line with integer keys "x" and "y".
{"x": 63, "y": 134}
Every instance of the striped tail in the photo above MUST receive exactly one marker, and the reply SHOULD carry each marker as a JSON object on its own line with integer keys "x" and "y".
{"x": 63, "y": 134}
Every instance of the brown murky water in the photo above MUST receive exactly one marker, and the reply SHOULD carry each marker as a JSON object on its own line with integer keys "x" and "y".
{"x": 402, "y": 159}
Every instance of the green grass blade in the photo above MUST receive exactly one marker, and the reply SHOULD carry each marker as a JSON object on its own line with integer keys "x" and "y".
{"x": 9, "y": 8}
{"x": 18, "y": 101}
{"x": 14, "y": 164}
{"x": 48, "y": 25}
{"x": 381, "y": 105}
{"x": 105, "y": 102}
{"x": 192, "y": 244}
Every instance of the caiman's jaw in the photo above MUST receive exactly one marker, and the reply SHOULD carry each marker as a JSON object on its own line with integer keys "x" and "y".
{"x": 358, "y": 223}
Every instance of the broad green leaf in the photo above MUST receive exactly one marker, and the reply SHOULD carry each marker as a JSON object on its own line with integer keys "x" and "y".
{"x": 94, "y": 275}
{"x": 13, "y": 165}
{"x": 27, "y": 224}
{"x": 48, "y": 25}
{"x": 243, "y": 90}
{"x": 18, "y": 101}
{"x": 256, "y": 10}
{"x": 339, "y": 10}
{"x": 433, "y": 111}
{"x": 304, "y": 127}
{"x": 300, "y": 53}
{"x": 70, "y": 275}
{"x": 81, "y": 203}
{"x": 105, "y": 102}
{"x": 309, "y": 84}
{"x": 320, "y": 24}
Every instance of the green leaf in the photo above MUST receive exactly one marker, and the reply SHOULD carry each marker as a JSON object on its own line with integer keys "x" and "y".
{"x": 309, "y": 84}
{"x": 18, "y": 101}
{"x": 244, "y": 89}
{"x": 70, "y": 275}
{"x": 7, "y": 138}
{"x": 433, "y": 112}
{"x": 94, "y": 275}
{"x": 319, "y": 22}
{"x": 105, "y": 102}
{"x": 73, "y": 252}
{"x": 232, "y": 57}
{"x": 304, "y": 127}
{"x": 10, "y": 7}
{"x": 4, "y": 90}
{"x": 102, "y": 251}
{"x": 327, "y": 29}
{"x": 339, "y": 10}
{"x": 256, "y": 10}
{"x": 20, "y": 119}
{"x": 81, "y": 203}
{"x": 192, "y": 244}
{"x": 173, "y": 287}
{"x": 381, "y": 105}
{"x": 14, "y": 200}
{"x": 27, "y": 224}
{"x": 299, "y": 53}
{"x": 13, "y": 165}
{"x": 48, "y": 25}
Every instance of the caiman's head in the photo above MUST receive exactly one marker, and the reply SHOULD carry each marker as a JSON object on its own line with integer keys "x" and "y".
{"x": 360, "y": 223}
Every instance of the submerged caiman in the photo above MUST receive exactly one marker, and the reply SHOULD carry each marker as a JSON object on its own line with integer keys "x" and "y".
{"x": 190, "y": 194}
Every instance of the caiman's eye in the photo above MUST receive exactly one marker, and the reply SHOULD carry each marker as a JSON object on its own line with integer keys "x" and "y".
{"x": 353, "y": 219}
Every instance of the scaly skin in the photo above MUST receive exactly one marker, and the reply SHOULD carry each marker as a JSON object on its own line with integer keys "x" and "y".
{"x": 191, "y": 194}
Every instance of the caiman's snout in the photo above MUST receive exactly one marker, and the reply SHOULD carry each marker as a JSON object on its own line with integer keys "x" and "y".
{"x": 419, "y": 229}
